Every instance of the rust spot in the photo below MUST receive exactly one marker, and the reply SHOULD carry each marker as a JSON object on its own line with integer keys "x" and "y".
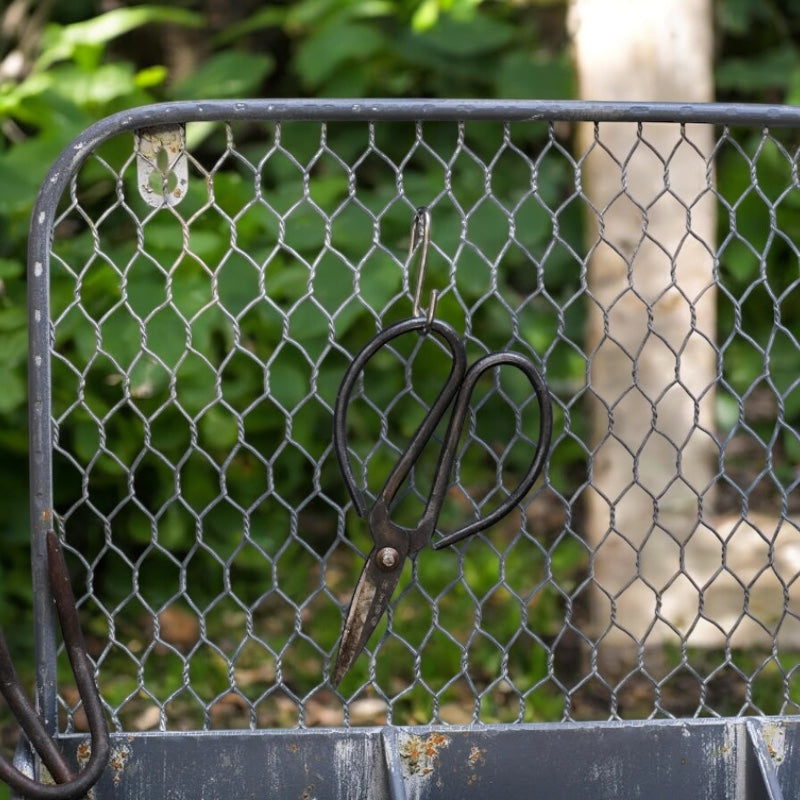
{"x": 476, "y": 756}
{"x": 47, "y": 516}
{"x": 433, "y": 743}
{"x": 84, "y": 753}
{"x": 419, "y": 756}
{"x": 119, "y": 758}
{"x": 294, "y": 748}
{"x": 775, "y": 741}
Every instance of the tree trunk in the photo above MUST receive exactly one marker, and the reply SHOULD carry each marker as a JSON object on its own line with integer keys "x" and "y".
{"x": 651, "y": 321}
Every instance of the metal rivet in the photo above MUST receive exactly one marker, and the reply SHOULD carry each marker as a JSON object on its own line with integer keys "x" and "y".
{"x": 387, "y": 558}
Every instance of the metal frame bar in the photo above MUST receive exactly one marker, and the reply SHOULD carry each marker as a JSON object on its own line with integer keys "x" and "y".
{"x": 741, "y": 759}
{"x": 75, "y": 154}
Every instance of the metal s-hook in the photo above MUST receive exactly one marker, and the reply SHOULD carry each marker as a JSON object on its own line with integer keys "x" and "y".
{"x": 420, "y": 240}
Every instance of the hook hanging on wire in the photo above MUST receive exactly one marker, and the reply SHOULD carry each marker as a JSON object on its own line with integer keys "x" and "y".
{"x": 68, "y": 784}
{"x": 420, "y": 240}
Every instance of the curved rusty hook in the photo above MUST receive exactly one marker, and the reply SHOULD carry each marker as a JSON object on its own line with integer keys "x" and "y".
{"x": 68, "y": 784}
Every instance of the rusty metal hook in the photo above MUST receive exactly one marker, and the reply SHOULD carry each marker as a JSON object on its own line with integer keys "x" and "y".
{"x": 421, "y": 239}
{"x": 69, "y": 785}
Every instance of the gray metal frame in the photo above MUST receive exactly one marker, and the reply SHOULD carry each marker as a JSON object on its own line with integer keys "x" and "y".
{"x": 723, "y": 758}
{"x": 735, "y": 759}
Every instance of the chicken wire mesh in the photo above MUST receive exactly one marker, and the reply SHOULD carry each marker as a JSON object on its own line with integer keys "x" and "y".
{"x": 201, "y": 276}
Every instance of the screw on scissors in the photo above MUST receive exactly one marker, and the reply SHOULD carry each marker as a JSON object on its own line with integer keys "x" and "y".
{"x": 68, "y": 784}
{"x": 393, "y": 544}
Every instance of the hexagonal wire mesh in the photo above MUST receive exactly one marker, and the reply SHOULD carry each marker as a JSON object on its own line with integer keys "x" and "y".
{"x": 194, "y": 307}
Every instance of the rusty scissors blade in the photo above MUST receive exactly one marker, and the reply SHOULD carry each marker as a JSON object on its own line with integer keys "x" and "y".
{"x": 393, "y": 544}
{"x": 68, "y": 784}
{"x": 371, "y": 598}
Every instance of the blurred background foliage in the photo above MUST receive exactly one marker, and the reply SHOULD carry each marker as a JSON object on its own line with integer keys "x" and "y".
{"x": 66, "y": 63}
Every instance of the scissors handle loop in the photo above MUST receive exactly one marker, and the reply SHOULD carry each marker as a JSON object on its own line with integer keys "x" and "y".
{"x": 69, "y": 785}
{"x": 460, "y": 384}
{"x": 457, "y": 419}
{"x": 428, "y": 426}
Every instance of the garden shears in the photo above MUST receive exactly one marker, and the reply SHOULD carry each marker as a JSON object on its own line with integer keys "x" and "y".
{"x": 392, "y": 543}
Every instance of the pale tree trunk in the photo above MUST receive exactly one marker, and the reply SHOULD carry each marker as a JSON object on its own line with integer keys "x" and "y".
{"x": 665, "y": 569}
{"x": 651, "y": 323}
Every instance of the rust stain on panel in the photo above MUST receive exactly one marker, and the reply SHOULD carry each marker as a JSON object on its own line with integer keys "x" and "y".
{"x": 420, "y": 755}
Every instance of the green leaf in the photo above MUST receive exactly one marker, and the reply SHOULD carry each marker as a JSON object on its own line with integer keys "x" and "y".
{"x": 307, "y": 321}
{"x": 13, "y": 319}
{"x": 218, "y": 428}
{"x": 288, "y": 382}
{"x": 14, "y": 391}
{"x": 150, "y": 77}
{"x": 14, "y": 339}
{"x": 267, "y": 17}
{"x": 772, "y": 70}
{"x": 22, "y": 170}
{"x": 41, "y": 105}
{"x": 60, "y": 42}
{"x": 791, "y": 444}
{"x": 233, "y": 73}
{"x": 327, "y": 50}
{"x": 308, "y": 14}
{"x": 736, "y": 16}
{"x": 479, "y": 35}
{"x": 99, "y": 86}
{"x": 426, "y": 15}
{"x": 527, "y": 75}
{"x": 10, "y": 268}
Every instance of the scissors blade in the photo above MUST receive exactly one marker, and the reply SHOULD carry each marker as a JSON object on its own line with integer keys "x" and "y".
{"x": 371, "y": 598}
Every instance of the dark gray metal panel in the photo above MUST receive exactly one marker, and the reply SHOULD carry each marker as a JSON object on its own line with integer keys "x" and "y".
{"x": 593, "y": 761}
{"x": 655, "y": 760}
{"x": 244, "y": 765}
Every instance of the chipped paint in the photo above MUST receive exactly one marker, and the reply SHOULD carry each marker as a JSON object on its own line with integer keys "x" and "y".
{"x": 353, "y": 782}
{"x": 83, "y": 754}
{"x": 476, "y": 758}
{"x": 774, "y": 734}
{"x": 419, "y": 756}
{"x": 118, "y": 760}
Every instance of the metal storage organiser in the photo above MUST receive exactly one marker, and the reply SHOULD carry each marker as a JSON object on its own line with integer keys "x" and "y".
{"x": 200, "y": 276}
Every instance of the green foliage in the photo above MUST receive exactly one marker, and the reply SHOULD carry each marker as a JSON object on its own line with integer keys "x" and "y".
{"x": 83, "y": 72}
{"x": 760, "y": 62}
{"x": 231, "y": 73}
